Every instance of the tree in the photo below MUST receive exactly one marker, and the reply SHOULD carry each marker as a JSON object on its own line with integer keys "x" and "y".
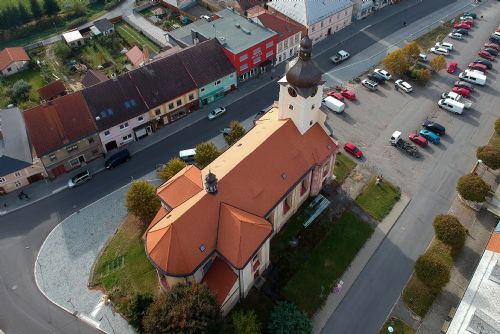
{"x": 397, "y": 62}
{"x": 51, "y": 7}
{"x": 62, "y": 51}
{"x": 287, "y": 318}
{"x": 171, "y": 168}
{"x": 137, "y": 308}
{"x": 438, "y": 63}
{"x": 497, "y": 126}
{"x": 24, "y": 15}
{"x": 141, "y": 201}
{"x": 472, "y": 188}
{"x": 432, "y": 270}
{"x": 36, "y": 10}
{"x": 20, "y": 90}
{"x": 490, "y": 155}
{"x": 411, "y": 51}
{"x": 186, "y": 308}
{"x": 205, "y": 154}
{"x": 245, "y": 322}
{"x": 235, "y": 133}
{"x": 449, "y": 230}
{"x": 422, "y": 74}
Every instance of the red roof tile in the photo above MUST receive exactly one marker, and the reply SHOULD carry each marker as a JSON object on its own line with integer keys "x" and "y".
{"x": 494, "y": 243}
{"x": 52, "y": 90}
{"x": 10, "y": 55}
{"x": 135, "y": 56}
{"x": 181, "y": 187}
{"x": 220, "y": 279}
{"x": 283, "y": 27}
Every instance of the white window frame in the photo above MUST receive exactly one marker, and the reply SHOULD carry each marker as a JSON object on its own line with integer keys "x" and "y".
{"x": 124, "y": 126}
{"x": 18, "y": 184}
{"x": 107, "y": 133}
{"x": 17, "y": 174}
{"x": 269, "y": 44}
{"x": 140, "y": 118}
{"x": 2, "y": 180}
{"x": 244, "y": 57}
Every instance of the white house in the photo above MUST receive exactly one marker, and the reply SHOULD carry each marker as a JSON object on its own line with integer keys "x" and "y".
{"x": 73, "y": 38}
{"x": 13, "y": 60}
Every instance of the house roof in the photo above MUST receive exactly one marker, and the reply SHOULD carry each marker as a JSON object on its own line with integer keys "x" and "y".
{"x": 52, "y": 90}
{"x": 234, "y": 32}
{"x": 283, "y": 27}
{"x": 220, "y": 279}
{"x": 181, "y": 187}
{"x": 254, "y": 175}
{"x": 206, "y": 62}
{"x": 10, "y": 55}
{"x": 93, "y": 77}
{"x": 309, "y": 12}
{"x": 103, "y": 25}
{"x": 135, "y": 56}
{"x": 72, "y": 36}
{"x": 255, "y": 11}
{"x": 114, "y": 101}
{"x": 58, "y": 123}
{"x": 16, "y": 151}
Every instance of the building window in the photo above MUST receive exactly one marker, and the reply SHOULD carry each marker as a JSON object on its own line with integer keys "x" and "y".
{"x": 178, "y": 102}
{"x": 217, "y": 83}
{"x": 243, "y": 67}
{"x": 18, "y": 184}
{"x": 285, "y": 42}
{"x": 157, "y": 112}
{"x": 191, "y": 97}
{"x": 269, "y": 53}
{"x": 90, "y": 140}
{"x": 72, "y": 148}
{"x": 269, "y": 44}
{"x": 290, "y": 107}
{"x": 244, "y": 57}
{"x": 17, "y": 174}
{"x": 256, "y": 60}
{"x": 2, "y": 179}
{"x": 257, "y": 51}
{"x": 140, "y": 118}
{"x": 74, "y": 162}
{"x": 321, "y": 24}
{"x": 124, "y": 126}
{"x": 9, "y": 69}
{"x": 287, "y": 204}
{"x": 280, "y": 46}
{"x": 304, "y": 186}
{"x": 52, "y": 157}
{"x": 312, "y": 107}
{"x": 171, "y": 105}
{"x": 325, "y": 170}
{"x": 256, "y": 262}
{"x": 127, "y": 137}
{"x": 107, "y": 133}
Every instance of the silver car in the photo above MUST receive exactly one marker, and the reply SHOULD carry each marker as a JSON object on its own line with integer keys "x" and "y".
{"x": 216, "y": 113}
{"x": 403, "y": 85}
{"x": 439, "y": 51}
{"x": 455, "y": 35}
{"x": 79, "y": 179}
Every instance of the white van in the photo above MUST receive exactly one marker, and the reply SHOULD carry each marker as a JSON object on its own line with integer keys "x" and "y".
{"x": 333, "y": 104}
{"x": 451, "y": 105}
{"x": 187, "y": 155}
{"x": 473, "y": 77}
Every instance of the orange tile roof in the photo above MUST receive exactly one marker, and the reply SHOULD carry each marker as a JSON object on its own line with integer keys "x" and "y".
{"x": 135, "y": 56}
{"x": 10, "y": 55}
{"x": 220, "y": 279}
{"x": 254, "y": 175}
{"x": 494, "y": 243}
{"x": 181, "y": 187}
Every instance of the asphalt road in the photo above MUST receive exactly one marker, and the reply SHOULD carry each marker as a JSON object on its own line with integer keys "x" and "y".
{"x": 24, "y": 309}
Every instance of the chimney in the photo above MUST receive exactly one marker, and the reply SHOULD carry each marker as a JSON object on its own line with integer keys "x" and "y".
{"x": 211, "y": 183}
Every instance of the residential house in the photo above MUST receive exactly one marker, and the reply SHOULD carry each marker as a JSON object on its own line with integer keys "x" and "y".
{"x": 104, "y": 27}
{"x": 52, "y": 90}
{"x": 210, "y": 69}
{"x": 13, "y": 60}
{"x": 93, "y": 77}
{"x": 289, "y": 35}
{"x": 318, "y": 18}
{"x": 179, "y": 4}
{"x": 136, "y": 57}
{"x": 63, "y": 133}
{"x": 19, "y": 166}
{"x": 215, "y": 224}
{"x": 73, "y": 38}
{"x": 119, "y": 112}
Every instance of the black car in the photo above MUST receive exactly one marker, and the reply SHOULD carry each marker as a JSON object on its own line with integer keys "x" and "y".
{"x": 485, "y": 62}
{"x": 491, "y": 51}
{"x": 117, "y": 159}
{"x": 464, "y": 84}
{"x": 434, "y": 127}
{"x": 461, "y": 31}
{"x": 376, "y": 77}
{"x": 495, "y": 39}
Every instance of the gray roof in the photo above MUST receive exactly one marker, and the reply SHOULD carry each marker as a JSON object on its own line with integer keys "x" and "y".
{"x": 103, "y": 25}
{"x": 182, "y": 36}
{"x": 309, "y": 12}
{"x": 235, "y": 32}
{"x": 16, "y": 152}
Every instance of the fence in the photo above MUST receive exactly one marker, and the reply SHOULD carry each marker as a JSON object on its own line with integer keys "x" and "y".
{"x": 130, "y": 19}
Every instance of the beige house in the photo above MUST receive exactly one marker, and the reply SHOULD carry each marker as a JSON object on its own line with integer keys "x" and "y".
{"x": 18, "y": 164}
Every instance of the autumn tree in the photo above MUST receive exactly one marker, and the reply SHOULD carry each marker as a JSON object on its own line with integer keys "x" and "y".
{"x": 449, "y": 230}
{"x": 235, "y": 133}
{"x": 490, "y": 155}
{"x": 411, "y": 51}
{"x": 438, "y": 63}
{"x": 397, "y": 62}
{"x": 171, "y": 168}
{"x": 141, "y": 201}
{"x": 422, "y": 74}
{"x": 245, "y": 322}
{"x": 36, "y": 10}
{"x": 432, "y": 270}
{"x": 205, "y": 154}
{"x": 472, "y": 188}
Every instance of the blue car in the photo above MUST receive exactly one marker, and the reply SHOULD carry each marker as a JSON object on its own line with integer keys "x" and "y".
{"x": 430, "y": 136}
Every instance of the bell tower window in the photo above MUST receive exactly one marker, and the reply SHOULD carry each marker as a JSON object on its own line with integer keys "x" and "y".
{"x": 290, "y": 107}
{"x": 292, "y": 92}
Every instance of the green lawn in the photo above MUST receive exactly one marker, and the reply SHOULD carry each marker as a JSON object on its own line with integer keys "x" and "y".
{"x": 311, "y": 284}
{"x": 378, "y": 200}
{"x": 123, "y": 267}
{"x": 343, "y": 167}
{"x": 431, "y": 38}
{"x": 257, "y": 301}
{"x": 399, "y": 326}
{"x": 417, "y": 296}
{"x": 133, "y": 37}
{"x": 29, "y": 75}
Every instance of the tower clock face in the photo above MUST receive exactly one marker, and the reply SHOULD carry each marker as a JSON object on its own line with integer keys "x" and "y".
{"x": 292, "y": 92}
{"x": 314, "y": 90}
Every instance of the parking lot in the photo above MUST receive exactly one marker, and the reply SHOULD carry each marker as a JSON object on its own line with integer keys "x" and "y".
{"x": 370, "y": 121}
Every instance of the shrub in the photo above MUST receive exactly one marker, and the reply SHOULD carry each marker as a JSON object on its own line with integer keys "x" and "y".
{"x": 472, "y": 188}
{"x": 20, "y": 91}
{"x": 449, "y": 230}
{"x": 62, "y": 51}
{"x": 171, "y": 168}
{"x": 422, "y": 74}
{"x": 490, "y": 155}
{"x": 141, "y": 201}
{"x": 438, "y": 63}
{"x": 287, "y": 318}
{"x": 136, "y": 309}
{"x": 432, "y": 270}
{"x": 237, "y": 131}
{"x": 245, "y": 322}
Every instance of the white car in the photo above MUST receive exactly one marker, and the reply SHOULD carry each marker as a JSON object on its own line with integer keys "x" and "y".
{"x": 456, "y": 35}
{"x": 403, "y": 85}
{"x": 386, "y": 75}
{"x": 444, "y": 45}
{"x": 216, "y": 113}
{"x": 439, "y": 51}
{"x": 464, "y": 18}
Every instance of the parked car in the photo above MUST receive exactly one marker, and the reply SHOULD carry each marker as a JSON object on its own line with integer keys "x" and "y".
{"x": 484, "y": 62}
{"x": 492, "y": 46}
{"x": 371, "y": 85}
{"x": 479, "y": 67}
{"x": 471, "y": 14}
{"x": 348, "y": 94}
{"x": 461, "y": 25}
{"x": 491, "y": 51}
{"x": 353, "y": 150}
{"x": 79, "y": 179}
{"x": 495, "y": 39}
{"x": 461, "y": 91}
{"x": 376, "y": 77}
{"x": 423, "y": 57}
{"x": 216, "y": 113}
{"x": 444, "y": 45}
{"x": 485, "y": 55}
{"x": 434, "y": 127}
{"x": 461, "y": 31}
{"x": 464, "y": 84}
{"x": 117, "y": 159}
{"x": 383, "y": 73}
{"x": 452, "y": 67}
{"x": 469, "y": 22}
{"x": 418, "y": 139}
{"x": 225, "y": 131}
{"x": 430, "y": 136}
{"x": 455, "y": 35}
{"x": 439, "y": 51}
{"x": 335, "y": 94}
{"x": 466, "y": 17}
{"x": 403, "y": 85}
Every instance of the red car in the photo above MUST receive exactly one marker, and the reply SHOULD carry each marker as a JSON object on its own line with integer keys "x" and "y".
{"x": 452, "y": 67}
{"x": 336, "y": 95}
{"x": 486, "y": 55}
{"x": 479, "y": 67}
{"x": 353, "y": 150}
{"x": 492, "y": 46}
{"x": 461, "y": 91}
{"x": 461, "y": 25}
{"x": 418, "y": 139}
{"x": 469, "y": 22}
{"x": 348, "y": 94}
